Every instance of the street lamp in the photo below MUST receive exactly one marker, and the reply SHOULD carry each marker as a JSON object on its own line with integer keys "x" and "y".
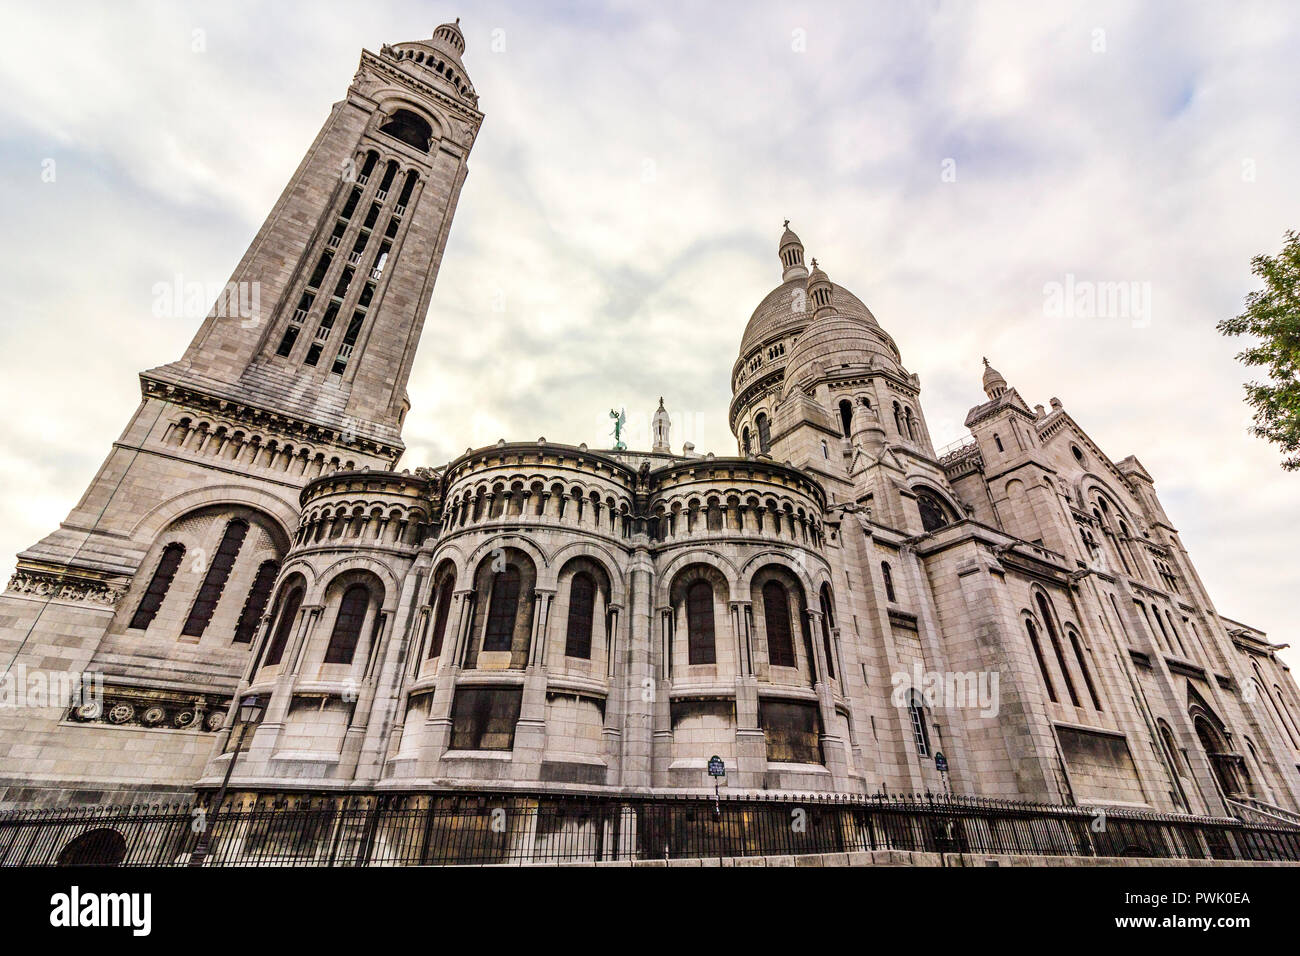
{"x": 250, "y": 714}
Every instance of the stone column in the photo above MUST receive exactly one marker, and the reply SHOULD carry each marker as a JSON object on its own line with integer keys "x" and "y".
{"x": 751, "y": 745}
{"x": 639, "y": 684}
{"x": 530, "y": 731}
{"x": 612, "y": 731}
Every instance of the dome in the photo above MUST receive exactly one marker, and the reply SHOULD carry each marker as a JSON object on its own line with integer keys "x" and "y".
{"x": 438, "y": 59}
{"x": 776, "y": 313}
{"x": 449, "y": 38}
{"x": 837, "y": 340}
{"x": 994, "y": 383}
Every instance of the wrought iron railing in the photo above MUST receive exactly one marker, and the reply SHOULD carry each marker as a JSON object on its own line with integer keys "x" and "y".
{"x": 448, "y": 828}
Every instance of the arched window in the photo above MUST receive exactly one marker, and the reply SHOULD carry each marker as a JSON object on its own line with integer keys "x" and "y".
{"x": 888, "y": 575}
{"x": 920, "y": 733}
{"x": 898, "y": 420}
{"x": 410, "y": 129}
{"x": 168, "y": 563}
{"x": 744, "y": 440}
{"x": 933, "y": 514}
{"x": 846, "y": 417}
{"x": 1083, "y": 667}
{"x": 911, "y": 425}
{"x": 826, "y": 452}
{"x": 102, "y": 846}
{"x": 255, "y": 603}
{"x": 502, "y": 610}
{"x": 701, "y": 646}
{"x": 1167, "y": 736}
{"x": 1285, "y": 711}
{"x": 1038, "y": 656}
{"x": 1175, "y": 761}
{"x": 582, "y": 605}
{"x": 285, "y": 617}
{"x": 347, "y": 625}
{"x": 776, "y": 615}
{"x": 828, "y": 622}
{"x": 214, "y": 582}
{"x": 1216, "y": 751}
{"x": 440, "y": 616}
{"x": 1174, "y": 631}
{"x": 1050, "y": 624}
{"x": 764, "y": 433}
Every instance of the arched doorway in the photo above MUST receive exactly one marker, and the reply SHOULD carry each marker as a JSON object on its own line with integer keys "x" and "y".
{"x": 103, "y": 846}
{"x": 1225, "y": 765}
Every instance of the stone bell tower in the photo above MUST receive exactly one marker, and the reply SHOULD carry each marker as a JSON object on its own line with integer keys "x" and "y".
{"x": 159, "y": 575}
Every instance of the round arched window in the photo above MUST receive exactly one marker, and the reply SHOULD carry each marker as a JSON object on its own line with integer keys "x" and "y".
{"x": 933, "y": 514}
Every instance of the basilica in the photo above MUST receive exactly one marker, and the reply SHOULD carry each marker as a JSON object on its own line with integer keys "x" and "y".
{"x": 834, "y": 606}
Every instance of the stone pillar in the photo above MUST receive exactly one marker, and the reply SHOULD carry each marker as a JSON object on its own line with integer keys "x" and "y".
{"x": 530, "y": 731}
{"x": 615, "y": 674}
{"x": 751, "y": 745}
{"x": 437, "y": 726}
{"x": 639, "y": 683}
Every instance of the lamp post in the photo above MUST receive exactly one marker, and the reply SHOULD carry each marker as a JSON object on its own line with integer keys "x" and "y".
{"x": 250, "y": 713}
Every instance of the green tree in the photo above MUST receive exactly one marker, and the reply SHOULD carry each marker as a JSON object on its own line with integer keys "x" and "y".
{"x": 1272, "y": 316}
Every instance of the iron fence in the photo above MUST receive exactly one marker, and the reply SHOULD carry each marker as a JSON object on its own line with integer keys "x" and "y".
{"x": 450, "y": 828}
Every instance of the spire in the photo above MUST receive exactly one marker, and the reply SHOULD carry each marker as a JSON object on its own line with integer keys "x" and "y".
{"x": 659, "y": 428}
{"x": 791, "y": 253}
{"x": 819, "y": 292}
{"x": 994, "y": 383}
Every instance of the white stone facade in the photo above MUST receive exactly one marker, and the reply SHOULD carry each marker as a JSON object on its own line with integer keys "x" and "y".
{"x": 826, "y": 610}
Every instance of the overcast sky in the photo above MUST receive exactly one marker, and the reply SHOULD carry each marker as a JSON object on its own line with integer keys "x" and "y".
{"x": 944, "y": 161}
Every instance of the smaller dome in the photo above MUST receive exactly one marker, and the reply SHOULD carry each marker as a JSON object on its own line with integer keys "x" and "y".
{"x": 834, "y": 341}
{"x": 790, "y": 249}
{"x": 820, "y": 292}
{"x": 449, "y": 35}
{"x": 994, "y": 383}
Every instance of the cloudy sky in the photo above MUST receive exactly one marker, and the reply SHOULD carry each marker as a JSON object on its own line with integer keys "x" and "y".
{"x": 945, "y": 161}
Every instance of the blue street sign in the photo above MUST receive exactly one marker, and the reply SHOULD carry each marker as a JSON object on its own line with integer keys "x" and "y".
{"x": 716, "y": 767}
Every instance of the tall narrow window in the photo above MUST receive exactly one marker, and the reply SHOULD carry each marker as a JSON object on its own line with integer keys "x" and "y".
{"x": 1174, "y": 631}
{"x": 898, "y": 420}
{"x": 440, "y": 616}
{"x": 255, "y": 603}
{"x": 1038, "y": 656}
{"x": 288, "y": 613}
{"x": 1285, "y": 711}
{"x": 764, "y": 434}
{"x": 846, "y": 417}
{"x": 1083, "y": 667}
{"x": 828, "y": 622}
{"x": 214, "y": 582}
{"x": 582, "y": 606}
{"x": 888, "y": 575}
{"x": 920, "y": 733}
{"x": 347, "y": 625}
{"x": 744, "y": 440}
{"x": 168, "y": 563}
{"x": 1056, "y": 648}
{"x": 776, "y": 615}
{"x": 502, "y": 610}
{"x": 701, "y": 647}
